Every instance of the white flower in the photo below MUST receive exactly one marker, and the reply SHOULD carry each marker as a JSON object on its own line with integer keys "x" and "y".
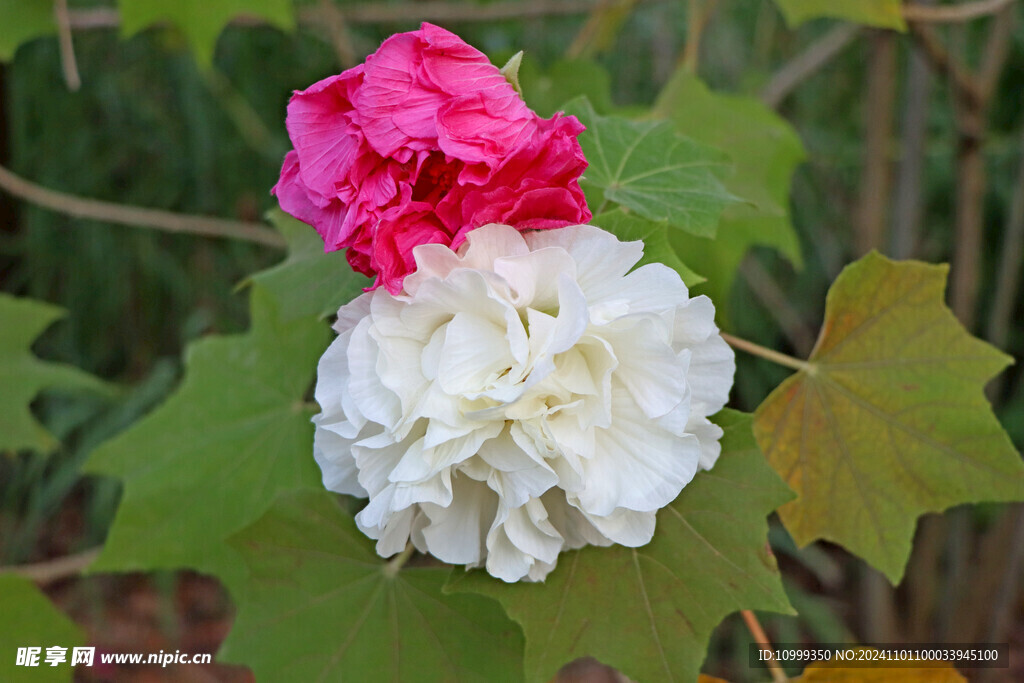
{"x": 524, "y": 396}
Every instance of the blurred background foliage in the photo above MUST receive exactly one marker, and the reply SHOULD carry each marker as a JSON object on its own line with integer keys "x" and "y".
{"x": 154, "y": 127}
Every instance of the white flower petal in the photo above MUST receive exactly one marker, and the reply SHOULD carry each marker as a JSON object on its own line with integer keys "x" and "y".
{"x": 527, "y": 395}
{"x": 334, "y": 455}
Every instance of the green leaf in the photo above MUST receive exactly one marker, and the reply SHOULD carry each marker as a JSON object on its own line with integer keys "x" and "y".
{"x": 308, "y": 282}
{"x": 211, "y": 458}
{"x": 201, "y": 21}
{"x": 881, "y": 13}
{"x": 654, "y": 234}
{"x": 23, "y": 20}
{"x": 23, "y": 376}
{"x": 31, "y": 620}
{"x": 323, "y": 606}
{"x": 650, "y": 611}
{"x": 647, "y": 167}
{"x": 889, "y": 420}
{"x": 765, "y": 150}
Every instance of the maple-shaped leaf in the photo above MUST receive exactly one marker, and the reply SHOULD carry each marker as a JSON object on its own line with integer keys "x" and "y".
{"x": 888, "y": 419}
{"x": 31, "y": 620}
{"x": 201, "y": 21}
{"x": 309, "y": 282}
{"x": 321, "y": 605}
{"x": 765, "y": 151}
{"x": 650, "y": 611}
{"x": 211, "y": 459}
{"x": 881, "y": 13}
{"x": 23, "y": 376}
{"x": 649, "y": 168}
{"x": 23, "y": 20}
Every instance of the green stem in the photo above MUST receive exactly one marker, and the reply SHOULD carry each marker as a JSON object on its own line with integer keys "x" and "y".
{"x": 774, "y": 356}
{"x": 392, "y": 567}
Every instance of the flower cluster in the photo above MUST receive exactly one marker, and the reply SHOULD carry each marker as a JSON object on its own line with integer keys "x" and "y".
{"x": 516, "y": 387}
{"x": 422, "y": 143}
{"x": 525, "y": 395}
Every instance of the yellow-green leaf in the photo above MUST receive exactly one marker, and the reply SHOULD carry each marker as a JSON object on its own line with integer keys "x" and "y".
{"x": 22, "y": 375}
{"x": 23, "y": 20}
{"x": 31, "y": 620}
{"x": 201, "y": 21}
{"x": 888, "y": 420}
{"x": 836, "y": 672}
{"x": 881, "y": 13}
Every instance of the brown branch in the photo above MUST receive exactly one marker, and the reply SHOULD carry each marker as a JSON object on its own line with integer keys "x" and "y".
{"x": 761, "y": 638}
{"x": 953, "y": 14}
{"x": 55, "y": 569}
{"x": 908, "y": 202}
{"x": 338, "y": 31}
{"x": 67, "y": 47}
{"x": 109, "y": 212}
{"x": 871, "y": 220}
{"x": 1008, "y": 275}
{"x": 389, "y": 13}
{"x": 808, "y": 63}
{"x": 698, "y": 17}
{"x": 943, "y": 63}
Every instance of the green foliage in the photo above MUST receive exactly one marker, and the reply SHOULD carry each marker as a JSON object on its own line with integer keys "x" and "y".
{"x": 323, "y": 606}
{"x": 889, "y": 419}
{"x": 547, "y": 92}
{"x": 647, "y": 167}
{"x": 211, "y": 458}
{"x": 650, "y": 611}
{"x": 308, "y": 282}
{"x": 765, "y": 151}
{"x": 23, "y": 20}
{"x": 882, "y": 13}
{"x": 654, "y": 234}
{"x": 31, "y": 620}
{"x": 201, "y": 21}
{"x": 23, "y": 376}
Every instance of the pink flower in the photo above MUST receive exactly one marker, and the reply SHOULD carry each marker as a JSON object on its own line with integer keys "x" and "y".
{"x": 422, "y": 143}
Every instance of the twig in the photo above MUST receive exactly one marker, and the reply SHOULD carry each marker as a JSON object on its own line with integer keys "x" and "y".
{"x": 766, "y": 353}
{"x": 808, "y": 63}
{"x": 970, "y": 206}
{"x": 875, "y": 189}
{"x": 338, "y": 32}
{"x": 761, "y": 638}
{"x": 944, "y": 64}
{"x": 81, "y": 207}
{"x": 379, "y": 13}
{"x": 908, "y": 204}
{"x": 599, "y": 30}
{"x": 55, "y": 569}
{"x": 697, "y": 19}
{"x": 953, "y": 14}
{"x": 67, "y": 47}
{"x": 1008, "y": 277}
